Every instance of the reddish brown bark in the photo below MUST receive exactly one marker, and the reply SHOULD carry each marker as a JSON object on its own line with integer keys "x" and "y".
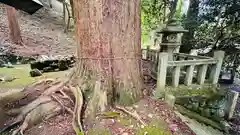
{"x": 14, "y": 29}
{"x": 108, "y": 33}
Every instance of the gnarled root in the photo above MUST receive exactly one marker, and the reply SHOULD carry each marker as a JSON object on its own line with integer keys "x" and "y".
{"x": 42, "y": 111}
{"x": 53, "y": 97}
{"x": 30, "y": 92}
{"x": 132, "y": 114}
{"x": 48, "y": 104}
{"x": 77, "y": 125}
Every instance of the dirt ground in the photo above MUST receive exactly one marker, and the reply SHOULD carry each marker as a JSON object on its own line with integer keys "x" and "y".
{"x": 43, "y": 33}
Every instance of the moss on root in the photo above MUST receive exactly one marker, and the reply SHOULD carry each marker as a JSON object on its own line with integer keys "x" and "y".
{"x": 125, "y": 98}
{"x": 98, "y": 131}
{"x": 5, "y": 134}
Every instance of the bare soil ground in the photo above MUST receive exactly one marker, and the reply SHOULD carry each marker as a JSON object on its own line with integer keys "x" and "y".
{"x": 43, "y": 33}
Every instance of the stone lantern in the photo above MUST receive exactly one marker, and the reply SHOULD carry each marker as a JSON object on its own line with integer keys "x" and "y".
{"x": 170, "y": 37}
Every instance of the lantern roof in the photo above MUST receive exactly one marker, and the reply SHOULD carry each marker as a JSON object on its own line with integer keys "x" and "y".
{"x": 173, "y": 26}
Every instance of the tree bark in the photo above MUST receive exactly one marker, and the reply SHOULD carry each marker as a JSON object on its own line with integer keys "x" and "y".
{"x": 15, "y": 33}
{"x": 190, "y": 23}
{"x": 108, "y": 35}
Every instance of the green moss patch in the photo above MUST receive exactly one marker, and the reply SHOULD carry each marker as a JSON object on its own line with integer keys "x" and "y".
{"x": 127, "y": 121}
{"x": 188, "y": 91}
{"x": 154, "y": 128}
{"x": 21, "y": 72}
{"x": 98, "y": 131}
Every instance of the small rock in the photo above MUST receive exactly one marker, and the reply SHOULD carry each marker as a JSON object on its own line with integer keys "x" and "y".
{"x": 109, "y": 121}
{"x": 173, "y": 127}
{"x": 225, "y": 126}
{"x": 35, "y": 73}
{"x": 135, "y": 106}
{"x": 8, "y": 65}
{"x": 125, "y": 133}
{"x": 131, "y": 126}
{"x": 170, "y": 100}
{"x": 48, "y": 69}
{"x": 150, "y": 115}
{"x": 9, "y": 78}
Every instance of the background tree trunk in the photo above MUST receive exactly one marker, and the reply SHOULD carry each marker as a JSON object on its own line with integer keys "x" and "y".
{"x": 191, "y": 23}
{"x": 108, "y": 33}
{"x": 14, "y": 29}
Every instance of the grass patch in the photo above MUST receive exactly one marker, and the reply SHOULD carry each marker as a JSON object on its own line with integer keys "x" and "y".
{"x": 21, "y": 72}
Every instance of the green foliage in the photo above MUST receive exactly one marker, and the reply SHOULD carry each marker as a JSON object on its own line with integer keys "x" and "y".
{"x": 152, "y": 14}
{"x": 179, "y": 9}
{"x": 221, "y": 24}
{"x": 110, "y": 114}
{"x": 80, "y": 133}
{"x": 220, "y": 27}
{"x": 155, "y": 13}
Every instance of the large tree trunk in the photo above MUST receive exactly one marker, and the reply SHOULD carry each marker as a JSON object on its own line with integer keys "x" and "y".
{"x": 14, "y": 28}
{"x": 108, "y": 33}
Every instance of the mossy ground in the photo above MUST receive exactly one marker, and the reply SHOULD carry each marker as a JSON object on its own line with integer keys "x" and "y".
{"x": 206, "y": 90}
{"x": 154, "y": 128}
{"x": 21, "y": 72}
{"x": 98, "y": 131}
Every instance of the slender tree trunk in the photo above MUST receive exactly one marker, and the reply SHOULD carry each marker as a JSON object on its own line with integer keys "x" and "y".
{"x": 72, "y": 8}
{"x": 108, "y": 33}
{"x": 15, "y": 33}
{"x": 190, "y": 23}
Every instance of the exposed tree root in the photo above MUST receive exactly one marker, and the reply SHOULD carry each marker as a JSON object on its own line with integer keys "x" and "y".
{"x": 45, "y": 105}
{"x": 15, "y": 95}
{"x": 43, "y": 111}
{"x": 60, "y": 102}
{"x": 98, "y": 101}
{"x": 132, "y": 114}
{"x": 57, "y": 86}
{"x": 77, "y": 125}
{"x": 65, "y": 96}
{"x": 51, "y": 102}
